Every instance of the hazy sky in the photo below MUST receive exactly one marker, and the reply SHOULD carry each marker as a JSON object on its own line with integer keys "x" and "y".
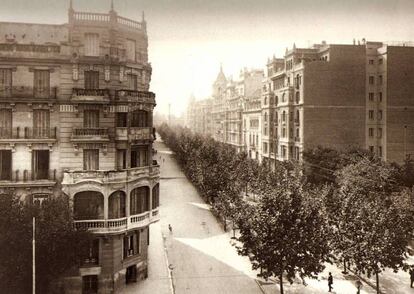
{"x": 188, "y": 39}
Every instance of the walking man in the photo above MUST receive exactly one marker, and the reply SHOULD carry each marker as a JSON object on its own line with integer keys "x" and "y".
{"x": 412, "y": 276}
{"x": 170, "y": 228}
{"x": 330, "y": 282}
{"x": 359, "y": 286}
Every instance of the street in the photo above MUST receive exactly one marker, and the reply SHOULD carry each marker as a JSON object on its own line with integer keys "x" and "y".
{"x": 197, "y": 256}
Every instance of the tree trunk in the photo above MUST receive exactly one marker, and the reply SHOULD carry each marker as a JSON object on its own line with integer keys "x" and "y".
{"x": 377, "y": 280}
{"x": 281, "y": 283}
{"x": 345, "y": 272}
{"x": 225, "y": 224}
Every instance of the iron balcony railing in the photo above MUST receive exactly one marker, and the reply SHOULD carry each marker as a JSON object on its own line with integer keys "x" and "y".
{"x": 140, "y": 96}
{"x": 28, "y": 133}
{"x": 91, "y": 92}
{"x": 90, "y": 132}
{"x": 28, "y": 92}
{"x": 29, "y": 48}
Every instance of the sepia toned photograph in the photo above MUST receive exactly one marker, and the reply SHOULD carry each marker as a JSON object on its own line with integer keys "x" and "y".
{"x": 206, "y": 146}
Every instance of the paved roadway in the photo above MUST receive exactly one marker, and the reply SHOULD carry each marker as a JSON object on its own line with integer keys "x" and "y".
{"x": 199, "y": 253}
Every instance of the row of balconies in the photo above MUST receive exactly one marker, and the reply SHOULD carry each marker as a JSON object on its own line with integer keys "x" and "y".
{"x": 78, "y": 134}
{"x": 78, "y": 94}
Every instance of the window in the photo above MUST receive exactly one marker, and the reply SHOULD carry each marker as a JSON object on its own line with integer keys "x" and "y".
{"x": 139, "y": 118}
{"x": 380, "y": 80}
{"x": 139, "y": 156}
{"x": 371, "y": 96}
{"x": 92, "y": 256}
{"x": 380, "y": 97}
{"x": 121, "y": 119}
{"x": 5, "y": 165}
{"x": 40, "y": 164}
{"x": 91, "y": 118}
{"x": 379, "y": 115}
{"x": 371, "y": 132}
{"x": 297, "y": 97}
{"x": 283, "y": 151}
{"x": 265, "y": 117}
{"x": 91, "y": 79}
{"x": 5, "y": 82}
{"x": 371, "y": 114}
{"x": 291, "y": 116}
{"x": 371, "y": 80}
{"x": 371, "y": 149}
{"x": 130, "y": 50}
{"x": 283, "y": 97}
{"x": 265, "y": 101}
{"x": 297, "y": 154}
{"x": 380, "y": 61}
{"x": 121, "y": 158}
{"x": 91, "y": 44}
{"x": 41, "y": 83}
{"x": 371, "y": 61}
{"x": 5, "y": 123}
{"x": 139, "y": 200}
{"x": 41, "y": 123}
{"x": 379, "y": 151}
{"x": 283, "y": 116}
{"x": 91, "y": 159}
{"x": 132, "y": 82}
{"x": 90, "y": 284}
{"x": 265, "y": 131}
{"x": 284, "y": 133}
{"x": 156, "y": 196}
{"x": 297, "y": 134}
{"x": 265, "y": 147}
{"x": 379, "y": 133}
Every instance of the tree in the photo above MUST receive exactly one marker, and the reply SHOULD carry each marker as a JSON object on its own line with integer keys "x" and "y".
{"x": 285, "y": 233}
{"x": 374, "y": 218}
{"x": 59, "y": 246}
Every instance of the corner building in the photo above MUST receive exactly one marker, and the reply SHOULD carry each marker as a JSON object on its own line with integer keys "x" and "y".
{"x": 339, "y": 96}
{"x": 76, "y": 118}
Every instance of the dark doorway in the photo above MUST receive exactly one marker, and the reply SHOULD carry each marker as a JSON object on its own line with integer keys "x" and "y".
{"x": 131, "y": 274}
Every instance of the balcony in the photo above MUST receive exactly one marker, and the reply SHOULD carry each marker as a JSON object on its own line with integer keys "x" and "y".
{"x": 135, "y": 134}
{"x": 104, "y": 19}
{"x": 120, "y": 224}
{"x": 27, "y": 178}
{"x": 110, "y": 176}
{"x": 28, "y": 135}
{"x": 90, "y": 95}
{"x": 90, "y": 135}
{"x": 27, "y": 93}
{"x": 135, "y": 96}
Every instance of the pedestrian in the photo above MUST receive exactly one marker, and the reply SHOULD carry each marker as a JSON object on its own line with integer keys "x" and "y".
{"x": 412, "y": 276}
{"x": 170, "y": 228}
{"x": 330, "y": 282}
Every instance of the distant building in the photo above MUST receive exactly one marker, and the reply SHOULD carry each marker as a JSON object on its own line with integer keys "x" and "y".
{"x": 76, "y": 119}
{"x": 338, "y": 96}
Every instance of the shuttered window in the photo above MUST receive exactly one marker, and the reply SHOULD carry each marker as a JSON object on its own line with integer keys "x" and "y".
{"x": 91, "y": 159}
{"x": 40, "y": 164}
{"x": 131, "y": 50}
{"x": 91, "y": 44}
{"x": 132, "y": 82}
{"x": 139, "y": 200}
{"x": 139, "y": 118}
{"x": 41, "y": 123}
{"x": 41, "y": 83}
{"x": 91, "y": 79}
{"x": 5, "y": 123}
{"x": 91, "y": 118}
{"x": 139, "y": 157}
{"x": 5, "y": 82}
{"x": 5, "y": 165}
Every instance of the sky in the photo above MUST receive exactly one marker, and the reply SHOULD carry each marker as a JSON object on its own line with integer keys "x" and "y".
{"x": 189, "y": 39}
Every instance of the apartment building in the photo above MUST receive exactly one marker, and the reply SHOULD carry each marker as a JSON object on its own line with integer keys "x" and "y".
{"x": 76, "y": 119}
{"x": 339, "y": 96}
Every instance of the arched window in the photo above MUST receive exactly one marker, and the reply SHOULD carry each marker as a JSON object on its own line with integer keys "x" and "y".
{"x": 88, "y": 205}
{"x": 139, "y": 118}
{"x": 276, "y": 100}
{"x": 297, "y": 97}
{"x": 271, "y": 100}
{"x": 139, "y": 200}
{"x": 297, "y": 116}
{"x": 283, "y": 97}
{"x": 156, "y": 196}
{"x": 283, "y": 116}
{"x": 276, "y": 117}
{"x": 116, "y": 204}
